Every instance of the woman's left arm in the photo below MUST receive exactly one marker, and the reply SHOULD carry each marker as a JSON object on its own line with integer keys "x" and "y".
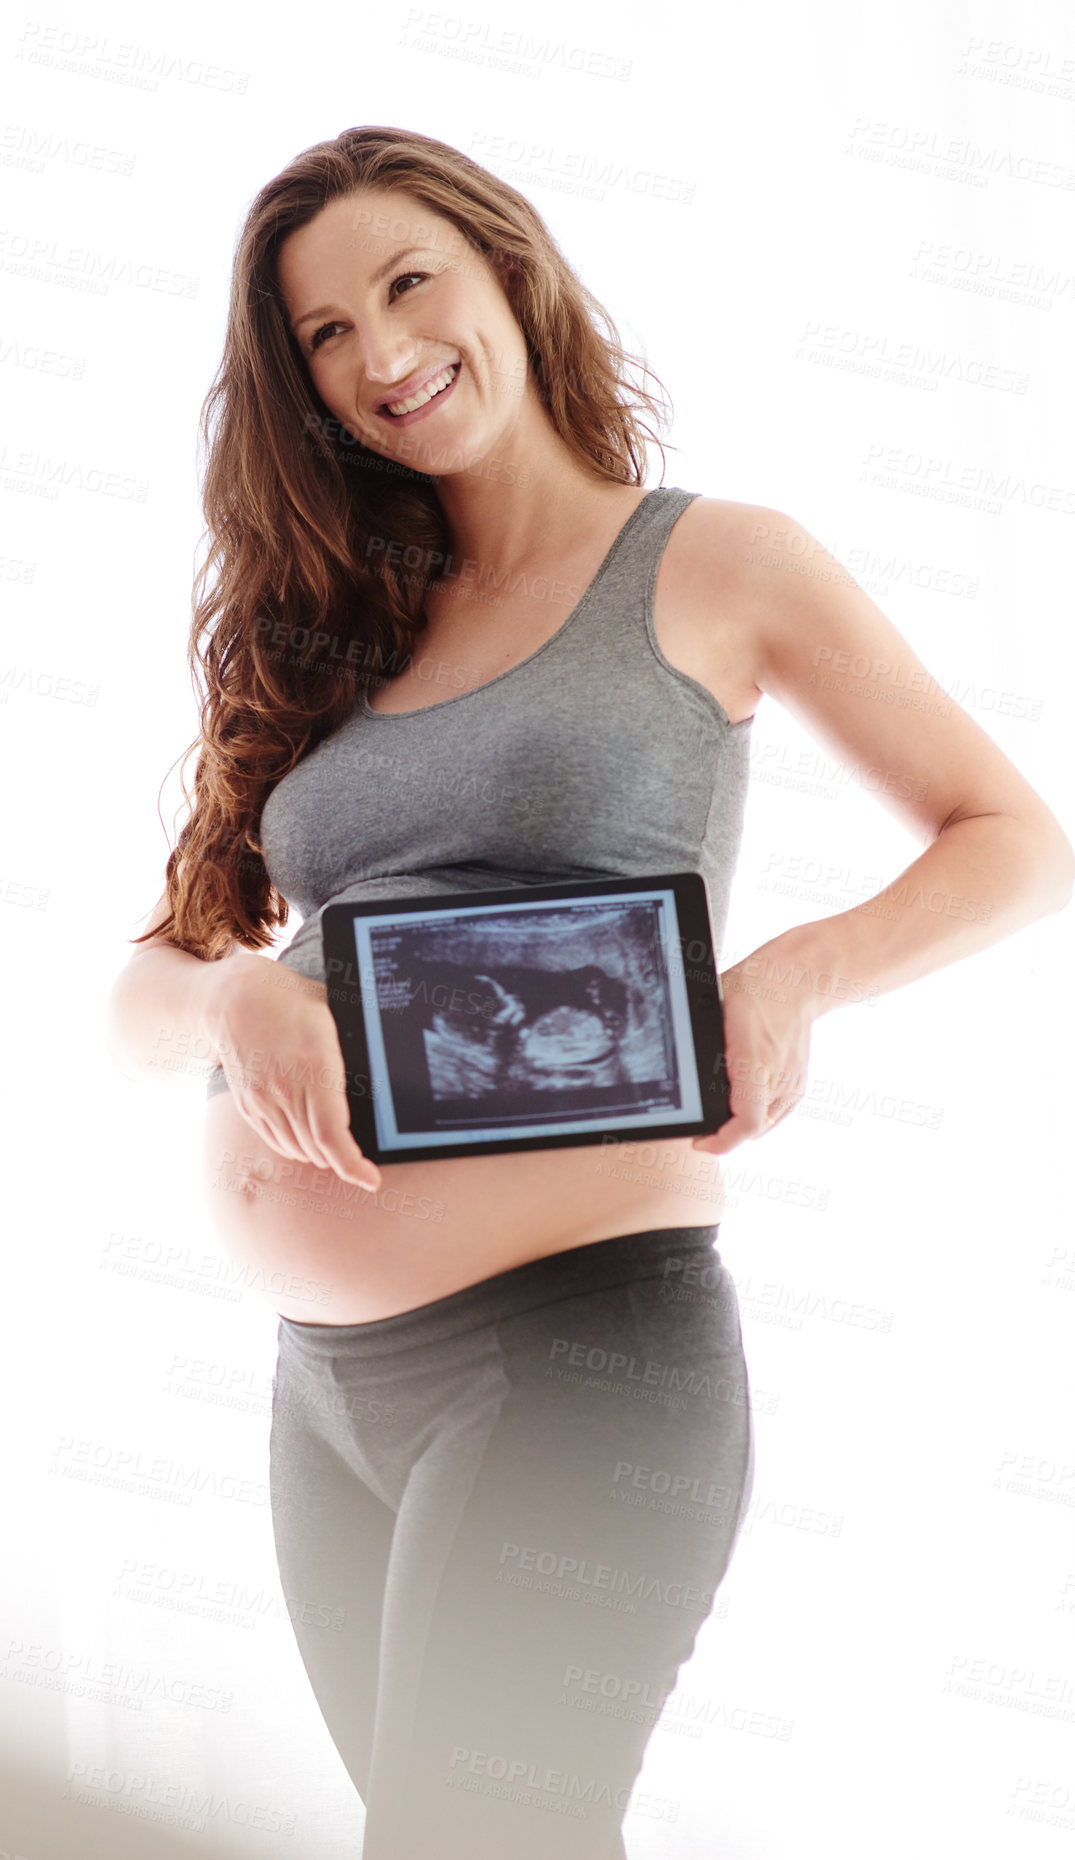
{"x": 997, "y": 860}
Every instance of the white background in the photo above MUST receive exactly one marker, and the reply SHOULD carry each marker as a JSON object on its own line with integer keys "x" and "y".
{"x": 838, "y": 183}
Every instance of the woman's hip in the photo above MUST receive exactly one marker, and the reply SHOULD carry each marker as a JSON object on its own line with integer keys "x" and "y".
{"x": 617, "y": 1368}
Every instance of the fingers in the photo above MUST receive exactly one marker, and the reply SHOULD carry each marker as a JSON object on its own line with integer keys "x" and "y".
{"x": 270, "y": 1128}
{"x": 308, "y": 1125}
{"x": 760, "y": 1096}
{"x": 757, "y": 1093}
{"x": 728, "y": 1137}
{"x": 335, "y": 1142}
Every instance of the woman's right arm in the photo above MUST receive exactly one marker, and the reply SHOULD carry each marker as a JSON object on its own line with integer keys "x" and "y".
{"x": 160, "y": 1010}
{"x": 171, "y": 1016}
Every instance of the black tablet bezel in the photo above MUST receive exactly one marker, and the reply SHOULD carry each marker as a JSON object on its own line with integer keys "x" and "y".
{"x": 704, "y": 1000}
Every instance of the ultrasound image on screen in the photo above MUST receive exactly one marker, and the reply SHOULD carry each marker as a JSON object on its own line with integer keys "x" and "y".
{"x": 510, "y": 1018}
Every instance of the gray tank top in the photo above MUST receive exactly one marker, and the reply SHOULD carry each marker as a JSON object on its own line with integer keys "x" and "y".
{"x": 593, "y": 758}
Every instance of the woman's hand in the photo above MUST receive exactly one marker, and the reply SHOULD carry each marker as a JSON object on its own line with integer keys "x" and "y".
{"x": 767, "y": 1051}
{"x": 277, "y": 1042}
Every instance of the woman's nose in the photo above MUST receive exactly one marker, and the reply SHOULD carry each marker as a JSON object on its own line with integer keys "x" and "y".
{"x": 386, "y": 359}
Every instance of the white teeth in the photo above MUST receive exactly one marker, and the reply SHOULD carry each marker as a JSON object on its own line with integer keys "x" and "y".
{"x": 424, "y": 394}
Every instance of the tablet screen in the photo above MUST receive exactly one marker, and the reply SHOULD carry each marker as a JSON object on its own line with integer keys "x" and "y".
{"x": 533, "y": 1019}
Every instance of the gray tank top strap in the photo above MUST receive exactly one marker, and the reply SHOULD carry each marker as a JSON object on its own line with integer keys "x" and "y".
{"x": 629, "y": 571}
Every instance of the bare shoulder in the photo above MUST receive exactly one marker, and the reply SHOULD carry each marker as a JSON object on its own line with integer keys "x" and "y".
{"x": 758, "y": 575}
{"x": 818, "y": 644}
{"x": 738, "y": 546}
{"x": 708, "y": 608}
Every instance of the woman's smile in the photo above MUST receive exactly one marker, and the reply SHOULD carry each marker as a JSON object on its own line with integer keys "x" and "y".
{"x": 429, "y": 397}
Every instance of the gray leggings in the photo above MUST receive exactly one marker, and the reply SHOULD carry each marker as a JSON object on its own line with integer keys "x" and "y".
{"x": 500, "y": 1522}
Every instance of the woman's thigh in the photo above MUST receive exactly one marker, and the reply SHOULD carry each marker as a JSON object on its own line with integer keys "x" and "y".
{"x": 598, "y": 1525}
{"x": 333, "y": 1544}
{"x": 515, "y": 1615}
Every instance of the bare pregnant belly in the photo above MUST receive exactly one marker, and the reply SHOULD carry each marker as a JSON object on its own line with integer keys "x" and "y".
{"x": 333, "y": 1253}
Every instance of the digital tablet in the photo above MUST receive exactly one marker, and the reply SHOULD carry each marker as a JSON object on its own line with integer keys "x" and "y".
{"x": 529, "y": 1018}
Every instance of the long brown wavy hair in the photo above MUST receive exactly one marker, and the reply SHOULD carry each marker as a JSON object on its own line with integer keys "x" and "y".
{"x": 291, "y": 504}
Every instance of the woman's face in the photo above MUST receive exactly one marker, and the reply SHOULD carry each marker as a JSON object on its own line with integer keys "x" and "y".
{"x": 384, "y": 296}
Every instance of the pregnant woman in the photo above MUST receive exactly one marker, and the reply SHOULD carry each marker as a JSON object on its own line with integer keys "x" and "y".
{"x": 449, "y": 642}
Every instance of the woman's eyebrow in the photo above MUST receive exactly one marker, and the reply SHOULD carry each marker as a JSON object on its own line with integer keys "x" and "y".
{"x": 381, "y": 272}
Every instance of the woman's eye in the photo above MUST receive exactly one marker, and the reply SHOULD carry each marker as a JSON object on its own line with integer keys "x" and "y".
{"x": 320, "y": 333}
